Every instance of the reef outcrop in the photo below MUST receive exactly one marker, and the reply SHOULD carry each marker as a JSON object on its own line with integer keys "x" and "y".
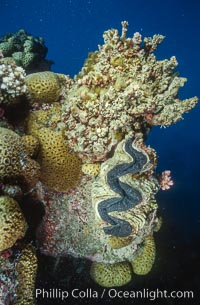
{"x": 81, "y": 150}
{"x": 121, "y": 90}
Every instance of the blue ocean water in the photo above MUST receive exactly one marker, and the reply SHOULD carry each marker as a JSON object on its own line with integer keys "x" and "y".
{"x": 71, "y": 29}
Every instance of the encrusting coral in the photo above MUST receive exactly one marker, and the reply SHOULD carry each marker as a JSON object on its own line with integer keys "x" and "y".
{"x": 31, "y": 145}
{"x": 26, "y": 269}
{"x": 111, "y": 275}
{"x": 92, "y": 169}
{"x": 144, "y": 262}
{"x": 15, "y": 162}
{"x": 13, "y": 224}
{"x": 7, "y": 280}
{"x": 48, "y": 117}
{"x": 119, "y": 242}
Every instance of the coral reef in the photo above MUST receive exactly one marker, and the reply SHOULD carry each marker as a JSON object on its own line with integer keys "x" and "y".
{"x": 121, "y": 89}
{"x": 26, "y": 269}
{"x": 114, "y": 101}
{"x": 16, "y": 166}
{"x": 13, "y": 224}
{"x": 44, "y": 87}
{"x": 111, "y": 275}
{"x": 25, "y": 50}
{"x": 12, "y": 84}
{"x": 81, "y": 152}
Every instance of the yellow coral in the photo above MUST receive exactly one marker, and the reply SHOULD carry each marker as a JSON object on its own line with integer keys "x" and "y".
{"x": 43, "y": 118}
{"x": 13, "y": 224}
{"x": 15, "y": 163}
{"x": 118, "y": 242}
{"x": 26, "y": 274}
{"x": 44, "y": 87}
{"x": 31, "y": 145}
{"x": 91, "y": 169}
{"x": 110, "y": 275}
{"x": 143, "y": 263}
{"x": 60, "y": 169}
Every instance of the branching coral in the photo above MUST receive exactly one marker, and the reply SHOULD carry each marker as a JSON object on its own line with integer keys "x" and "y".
{"x": 12, "y": 84}
{"x": 27, "y": 51}
{"x": 121, "y": 89}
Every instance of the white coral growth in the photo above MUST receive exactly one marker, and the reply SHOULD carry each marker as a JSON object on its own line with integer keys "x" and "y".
{"x": 11, "y": 83}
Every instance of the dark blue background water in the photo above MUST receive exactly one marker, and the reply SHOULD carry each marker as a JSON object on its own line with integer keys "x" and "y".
{"x": 71, "y": 29}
